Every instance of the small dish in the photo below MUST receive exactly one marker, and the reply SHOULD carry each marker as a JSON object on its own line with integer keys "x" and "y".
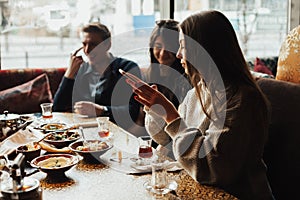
{"x": 139, "y": 166}
{"x": 55, "y": 164}
{"x": 88, "y": 154}
{"x": 62, "y": 139}
{"x": 29, "y": 150}
{"x": 49, "y": 127}
{"x": 172, "y": 185}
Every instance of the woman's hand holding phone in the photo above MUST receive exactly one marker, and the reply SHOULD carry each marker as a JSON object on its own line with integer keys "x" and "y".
{"x": 150, "y": 97}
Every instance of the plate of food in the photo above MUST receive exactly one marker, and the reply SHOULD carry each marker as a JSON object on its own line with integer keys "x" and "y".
{"x": 49, "y": 127}
{"x": 90, "y": 150}
{"x": 30, "y": 151}
{"x": 62, "y": 139}
{"x": 55, "y": 164}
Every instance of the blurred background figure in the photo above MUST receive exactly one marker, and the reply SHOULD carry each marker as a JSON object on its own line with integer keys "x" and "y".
{"x": 88, "y": 86}
{"x": 165, "y": 69}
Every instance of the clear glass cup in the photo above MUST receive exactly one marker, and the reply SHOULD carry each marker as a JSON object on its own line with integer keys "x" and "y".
{"x": 103, "y": 127}
{"x": 46, "y": 110}
{"x": 159, "y": 178}
{"x": 145, "y": 151}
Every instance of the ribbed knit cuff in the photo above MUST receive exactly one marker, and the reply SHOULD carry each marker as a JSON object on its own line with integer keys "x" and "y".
{"x": 175, "y": 127}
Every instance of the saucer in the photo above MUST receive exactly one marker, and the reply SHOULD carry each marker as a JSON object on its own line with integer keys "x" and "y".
{"x": 139, "y": 167}
{"x": 172, "y": 185}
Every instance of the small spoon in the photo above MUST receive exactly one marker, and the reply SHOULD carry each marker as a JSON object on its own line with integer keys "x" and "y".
{"x": 85, "y": 143}
{"x": 37, "y": 142}
{"x": 7, "y": 160}
{"x": 46, "y": 135}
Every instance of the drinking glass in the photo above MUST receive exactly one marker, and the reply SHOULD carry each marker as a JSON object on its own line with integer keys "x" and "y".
{"x": 47, "y": 110}
{"x": 145, "y": 150}
{"x": 160, "y": 184}
{"x": 103, "y": 127}
{"x": 159, "y": 180}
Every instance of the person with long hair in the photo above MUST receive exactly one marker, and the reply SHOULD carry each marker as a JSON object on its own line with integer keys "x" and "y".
{"x": 165, "y": 70}
{"x": 220, "y": 129}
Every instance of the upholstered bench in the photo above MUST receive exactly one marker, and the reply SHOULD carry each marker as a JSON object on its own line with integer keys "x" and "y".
{"x": 22, "y": 90}
{"x": 282, "y": 154}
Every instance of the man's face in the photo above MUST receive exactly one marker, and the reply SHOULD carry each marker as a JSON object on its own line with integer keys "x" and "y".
{"x": 93, "y": 47}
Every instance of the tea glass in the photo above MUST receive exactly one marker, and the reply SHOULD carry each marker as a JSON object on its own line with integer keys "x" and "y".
{"x": 103, "y": 128}
{"x": 145, "y": 151}
{"x": 46, "y": 110}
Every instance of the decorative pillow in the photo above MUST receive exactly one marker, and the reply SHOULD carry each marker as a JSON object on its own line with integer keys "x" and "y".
{"x": 288, "y": 68}
{"x": 259, "y": 66}
{"x": 26, "y": 98}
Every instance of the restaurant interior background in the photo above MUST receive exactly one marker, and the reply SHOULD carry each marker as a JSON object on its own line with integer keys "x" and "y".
{"x": 43, "y": 33}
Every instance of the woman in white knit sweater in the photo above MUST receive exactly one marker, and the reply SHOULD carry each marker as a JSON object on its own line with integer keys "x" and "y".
{"x": 219, "y": 131}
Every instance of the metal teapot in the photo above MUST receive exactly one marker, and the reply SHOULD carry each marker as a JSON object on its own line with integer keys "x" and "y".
{"x": 11, "y": 123}
{"x": 17, "y": 186}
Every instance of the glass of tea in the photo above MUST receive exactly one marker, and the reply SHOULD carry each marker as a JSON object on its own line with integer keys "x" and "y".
{"x": 103, "y": 127}
{"x": 47, "y": 110}
{"x": 145, "y": 151}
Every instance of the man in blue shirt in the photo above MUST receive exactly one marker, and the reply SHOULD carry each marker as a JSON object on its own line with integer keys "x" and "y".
{"x": 96, "y": 88}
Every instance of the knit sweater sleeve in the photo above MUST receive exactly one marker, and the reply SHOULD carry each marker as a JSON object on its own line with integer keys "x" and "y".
{"x": 155, "y": 125}
{"x": 218, "y": 154}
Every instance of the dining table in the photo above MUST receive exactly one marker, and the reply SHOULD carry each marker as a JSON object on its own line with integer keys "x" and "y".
{"x": 114, "y": 179}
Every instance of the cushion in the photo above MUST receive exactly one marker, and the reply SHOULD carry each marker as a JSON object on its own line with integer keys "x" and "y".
{"x": 260, "y": 66}
{"x": 288, "y": 68}
{"x": 26, "y": 98}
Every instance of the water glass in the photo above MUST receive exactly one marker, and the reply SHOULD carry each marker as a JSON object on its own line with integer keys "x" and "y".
{"x": 159, "y": 180}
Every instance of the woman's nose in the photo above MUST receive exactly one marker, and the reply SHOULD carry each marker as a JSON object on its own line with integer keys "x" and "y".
{"x": 178, "y": 54}
{"x": 162, "y": 52}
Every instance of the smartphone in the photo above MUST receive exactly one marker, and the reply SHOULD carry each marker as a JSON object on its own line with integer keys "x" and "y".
{"x": 132, "y": 77}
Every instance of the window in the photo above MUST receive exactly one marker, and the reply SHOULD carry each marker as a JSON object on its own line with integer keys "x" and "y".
{"x": 261, "y": 25}
{"x": 37, "y": 34}
{"x": 43, "y": 33}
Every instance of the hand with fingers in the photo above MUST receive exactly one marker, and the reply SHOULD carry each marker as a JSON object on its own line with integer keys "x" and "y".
{"x": 151, "y": 98}
{"x": 88, "y": 108}
{"x": 75, "y": 62}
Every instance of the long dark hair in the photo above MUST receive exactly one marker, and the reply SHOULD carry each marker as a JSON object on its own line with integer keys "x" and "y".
{"x": 214, "y": 33}
{"x": 168, "y": 30}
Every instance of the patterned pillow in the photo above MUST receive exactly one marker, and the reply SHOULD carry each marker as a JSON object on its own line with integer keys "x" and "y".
{"x": 289, "y": 58}
{"x": 26, "y": 98}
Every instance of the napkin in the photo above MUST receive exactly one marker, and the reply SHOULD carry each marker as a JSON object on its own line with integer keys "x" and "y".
{"x": 19, "y": 138}
{"x": 129, "y": 165}
{"x": 86, "y": 124}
